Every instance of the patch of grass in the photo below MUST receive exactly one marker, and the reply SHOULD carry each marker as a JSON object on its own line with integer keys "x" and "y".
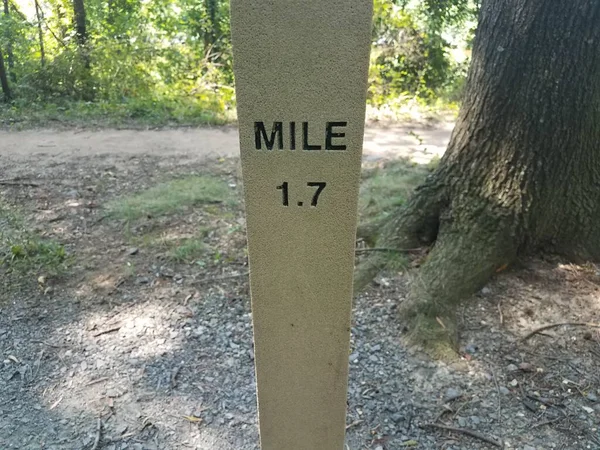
{"x": 396, "y": 262}
{"x": 188, "y": 251}
{"x": 23, "y": 251}
{"x": 172, "y": 197}
{"x": 407, "y": 108}
{"x": 387, "y": 187}
{"x": 184, "y": 249}
{"x": 130, "y": 113}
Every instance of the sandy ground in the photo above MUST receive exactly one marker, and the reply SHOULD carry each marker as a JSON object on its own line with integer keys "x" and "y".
{"x": 418, "y": 142}
{"x": 160, "y": 353}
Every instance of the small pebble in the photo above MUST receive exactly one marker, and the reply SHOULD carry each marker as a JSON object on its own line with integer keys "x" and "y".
{"x": 452, "y": 394}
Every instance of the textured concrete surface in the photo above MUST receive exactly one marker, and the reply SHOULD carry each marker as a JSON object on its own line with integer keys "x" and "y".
{"x": 301, "y": 82}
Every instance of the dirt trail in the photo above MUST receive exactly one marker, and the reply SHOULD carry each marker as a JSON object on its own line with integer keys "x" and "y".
{"x": 419, "y": 142}
{"x": 160, "y": 350}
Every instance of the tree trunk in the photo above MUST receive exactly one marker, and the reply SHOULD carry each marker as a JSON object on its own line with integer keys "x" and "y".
{"x": 522, "y": 169}
{"x": 81, "y": 35}
{"x": 4, "y": 79}
{"x": 40, "y": 17}
{"x": 80, "y": 22}
{"x": 213, "y": 31}
{"x": 9, "y": 46}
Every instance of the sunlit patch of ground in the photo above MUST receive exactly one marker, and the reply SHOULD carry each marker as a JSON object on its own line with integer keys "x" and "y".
{"x": 150, "y": 329}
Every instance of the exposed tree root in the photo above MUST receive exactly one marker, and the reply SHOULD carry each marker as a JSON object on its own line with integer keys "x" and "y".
{"x": 461, "y": 261}
{"x": 467, "y": 251}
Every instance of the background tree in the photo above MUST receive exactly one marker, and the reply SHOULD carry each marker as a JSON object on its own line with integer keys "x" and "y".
{"x": 40, "y": 18}
{"x": 522, "y": 171}
{"x": 80, "y": 22}
{"x": 4, "y": 79}
{"x": 8, "y": 36}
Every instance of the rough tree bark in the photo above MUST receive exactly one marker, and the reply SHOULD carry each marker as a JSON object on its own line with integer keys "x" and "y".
{"x": 212, "y": 32}
{"x": 80, "y": 22}
{"x": 9, "y": 46}
{"x": 81, "y": 34}
{"x": 4, "y": 79}
{"x": 522, "y": 169}
{"x": 40, "y": 17}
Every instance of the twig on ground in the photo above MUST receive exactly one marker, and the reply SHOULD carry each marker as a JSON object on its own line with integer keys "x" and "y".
{"x": 98, "y": 220}
{"x": 173, "y": 377}
{"x": 460, "y": 408}
{"x": 445, "y": 410}
{"x": 353, "y": 424}
{"x": 500, "y": 312}
{"x": 37, "y": 365}
{"x": 543, "y": 401}
{"x": 545, "y": 422}
{"x": 555, "y": 325}
{"x": 226, "y": 277}
{"x": 18, "y": 183}
{"x": 98, "y": 435}
{"x": 388, "y": 250}
{"x": 99, "y": 380}
{"x": 499, "y": 394}
{"x": 110, "y": 330}
{"x": 473, "y": 434}
{"x": 55, "y": 404}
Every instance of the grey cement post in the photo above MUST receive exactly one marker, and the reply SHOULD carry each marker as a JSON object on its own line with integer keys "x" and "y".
{"x": 301, "y": 71}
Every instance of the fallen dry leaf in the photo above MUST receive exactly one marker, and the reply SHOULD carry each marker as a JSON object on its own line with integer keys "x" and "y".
{"x": 193, "y": 419}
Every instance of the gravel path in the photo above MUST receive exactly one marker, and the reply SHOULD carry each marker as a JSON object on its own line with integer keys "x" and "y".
{"x": 162, "y": 354}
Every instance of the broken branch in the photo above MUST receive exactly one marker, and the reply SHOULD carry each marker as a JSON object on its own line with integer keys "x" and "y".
{"x": 473, "y": 434}
{"x": 555, "y": 325}
{"x": 98, "y": 435}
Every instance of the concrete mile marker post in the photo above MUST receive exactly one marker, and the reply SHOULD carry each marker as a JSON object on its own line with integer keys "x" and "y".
{"x": 301, "y": 71}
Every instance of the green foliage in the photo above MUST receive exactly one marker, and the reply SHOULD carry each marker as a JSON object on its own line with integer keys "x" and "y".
{"x": 23, "y": 251}
{"x": 388, "y": 186}
{"x": 171, "y": 197}
{"x": 170, "y": 61}
{"x": 411, "y": 55}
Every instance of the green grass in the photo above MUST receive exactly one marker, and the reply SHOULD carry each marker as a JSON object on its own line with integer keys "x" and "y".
{"x": 22, "y": 251}
{"x": 188, "y": 250}
{"x": 387, "y": 187}
{"x": 132, "y": 113}
{"x": 172, "y": 197}
{"x": 382, "y": 190}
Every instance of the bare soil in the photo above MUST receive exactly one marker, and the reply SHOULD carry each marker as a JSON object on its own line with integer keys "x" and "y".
{"x": 131, "y": 350}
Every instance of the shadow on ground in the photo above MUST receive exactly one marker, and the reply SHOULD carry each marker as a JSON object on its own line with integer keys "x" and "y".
{"x": 161, "y": 352}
